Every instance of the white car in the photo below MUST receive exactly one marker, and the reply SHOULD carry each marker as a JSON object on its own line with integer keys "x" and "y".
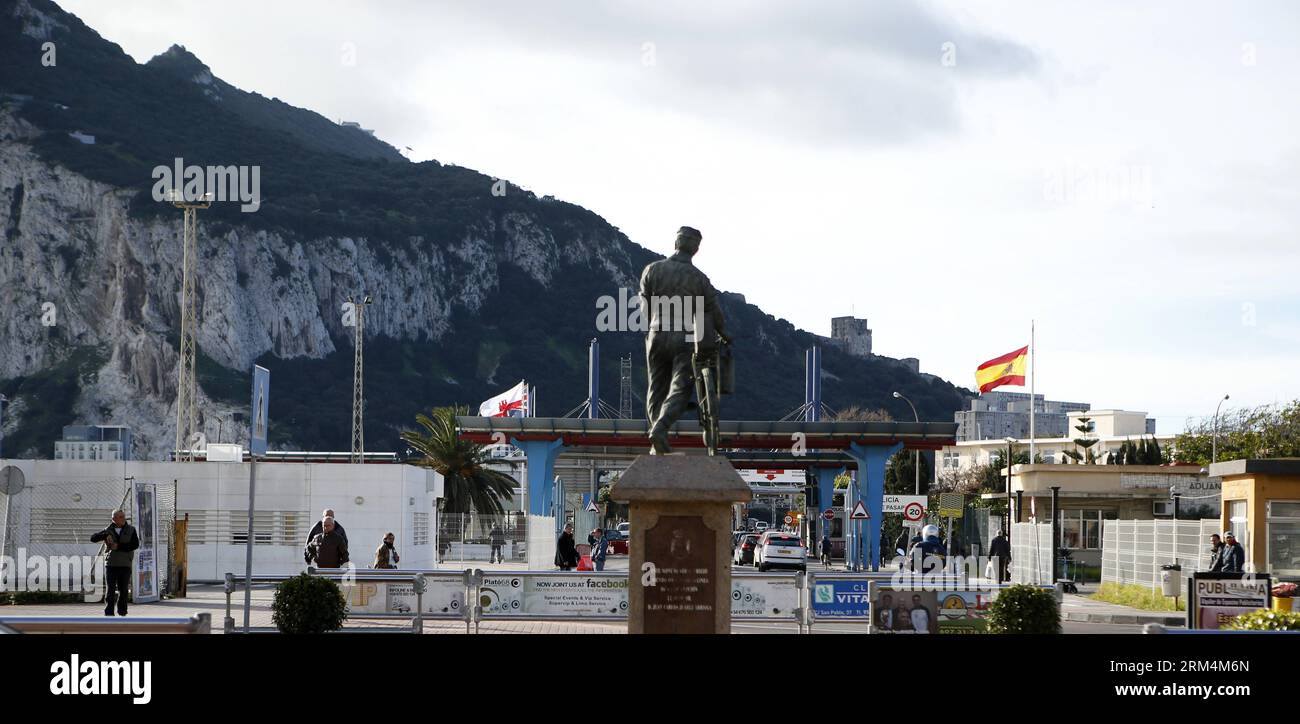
{"x": 625, "y": 529}
{"x": 760, "y": 526}
{"x": 780, "y": 550}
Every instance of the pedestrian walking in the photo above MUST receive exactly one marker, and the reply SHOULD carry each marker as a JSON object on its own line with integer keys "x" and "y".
{"x": 825, "y": 548}
{"x": 386, "y": 555}
{"x": 497, "y": 538}
{"x": 120, "y": 541}
{"x": 566, "y": 550}
{"x": 1000, "y": 552}
{"x": 329, "y": 549}
{"x": 1234, "y": 556}
{"x": 316, "y": 529}
{"x": 599, "y": 550}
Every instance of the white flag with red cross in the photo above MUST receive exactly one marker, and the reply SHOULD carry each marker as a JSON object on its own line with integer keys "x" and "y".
{"x": 511, "y": 403}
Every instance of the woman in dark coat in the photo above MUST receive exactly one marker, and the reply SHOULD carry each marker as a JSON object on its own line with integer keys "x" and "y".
{"x": 566, "y": 551}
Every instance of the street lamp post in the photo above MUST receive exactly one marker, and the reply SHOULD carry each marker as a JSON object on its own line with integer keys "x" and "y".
{"x": 1010, "y": 441}
{"x": 1214, "y": 438}
{"x": 916, "y": 454}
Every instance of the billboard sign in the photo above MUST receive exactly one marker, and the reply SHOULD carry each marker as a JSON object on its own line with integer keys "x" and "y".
{"x": 144, "y": 513}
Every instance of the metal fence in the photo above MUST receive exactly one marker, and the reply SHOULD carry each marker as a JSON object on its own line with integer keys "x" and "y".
{"x": 1031, "y": 553}
{"x": 468, "y": 537}
{"x": 1132, "y": 551}
{"x": 57, "y": 519}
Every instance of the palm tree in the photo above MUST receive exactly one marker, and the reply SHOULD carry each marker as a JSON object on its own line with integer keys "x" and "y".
{"x": 468, "y": 484}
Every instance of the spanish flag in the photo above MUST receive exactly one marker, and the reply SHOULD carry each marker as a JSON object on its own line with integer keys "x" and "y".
{"x": 1009, "y": 369}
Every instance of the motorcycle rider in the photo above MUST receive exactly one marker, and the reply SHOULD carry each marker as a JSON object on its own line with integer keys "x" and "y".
{"x": 930, "y": 545}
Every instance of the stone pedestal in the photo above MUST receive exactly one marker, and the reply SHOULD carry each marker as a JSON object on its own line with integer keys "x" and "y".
{"x": 680, "y": 521}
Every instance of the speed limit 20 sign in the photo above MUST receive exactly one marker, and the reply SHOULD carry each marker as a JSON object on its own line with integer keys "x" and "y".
{"x": 913, "y": 512}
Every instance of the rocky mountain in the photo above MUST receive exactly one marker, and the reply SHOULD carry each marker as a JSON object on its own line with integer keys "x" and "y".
{"x": 473, "y": 289}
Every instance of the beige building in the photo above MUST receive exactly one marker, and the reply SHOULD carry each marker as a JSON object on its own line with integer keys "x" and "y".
{"x": 1090, "y": 494}
{"x": 1261, "y": 506}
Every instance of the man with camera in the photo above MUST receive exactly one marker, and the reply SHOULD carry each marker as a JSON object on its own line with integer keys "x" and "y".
{"x": 120, "y": 541}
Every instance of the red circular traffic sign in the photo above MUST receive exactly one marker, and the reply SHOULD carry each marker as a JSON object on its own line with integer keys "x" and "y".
{"x": 788, "y": 520}
{"x": 913, "y": 511}
{"x": 828, "y": 514}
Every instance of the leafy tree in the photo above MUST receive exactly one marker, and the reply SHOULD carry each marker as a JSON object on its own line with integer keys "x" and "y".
{"x": 469, "y": 485}
{"x": 900, "y": 473}
{"x": 1268, "y": 431}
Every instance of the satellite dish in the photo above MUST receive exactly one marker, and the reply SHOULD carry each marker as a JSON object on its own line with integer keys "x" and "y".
{"x": 12, "y": 480}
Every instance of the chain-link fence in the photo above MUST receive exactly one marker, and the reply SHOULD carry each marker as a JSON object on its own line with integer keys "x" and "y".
{"x": 482, "y": 538}
{"x": 54, "y": 521}
{"x": 1132, "y": 551}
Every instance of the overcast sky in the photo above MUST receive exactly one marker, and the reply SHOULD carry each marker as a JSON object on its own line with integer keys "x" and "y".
{"x": 1126, "y": 174}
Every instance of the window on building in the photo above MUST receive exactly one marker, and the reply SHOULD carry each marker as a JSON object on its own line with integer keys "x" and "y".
{"x": 420, "y": 529}
{"x": 1284, "y": 537}
{"x": 1237, "y": 519}
{"x": 1081, "y": 529}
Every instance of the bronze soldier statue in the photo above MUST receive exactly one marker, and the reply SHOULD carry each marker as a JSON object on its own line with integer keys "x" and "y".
{"x": 674, "y": 292}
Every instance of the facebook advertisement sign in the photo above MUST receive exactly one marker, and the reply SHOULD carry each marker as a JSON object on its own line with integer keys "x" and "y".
{"x": 258, "y": 411}
{"x": 841, "y": 599}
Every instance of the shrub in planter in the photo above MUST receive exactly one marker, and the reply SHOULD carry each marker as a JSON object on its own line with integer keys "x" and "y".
{"x": 1022, "y": 609}
{"x": 308, "y": 605}
{"x": 1265, "y": 620}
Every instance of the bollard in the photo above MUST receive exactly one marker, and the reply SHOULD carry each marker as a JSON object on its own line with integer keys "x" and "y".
{"x": 228, "y": 626}
{"x": 420, "y": 585}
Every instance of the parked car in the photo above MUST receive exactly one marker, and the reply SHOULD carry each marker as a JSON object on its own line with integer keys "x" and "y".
{"x": 780, "y": 550}
{"x": 743, "y": 554}
{"x": 617, "y": 542}
{"x": 626, "y": 529}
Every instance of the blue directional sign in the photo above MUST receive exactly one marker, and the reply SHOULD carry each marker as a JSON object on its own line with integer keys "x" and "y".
{"x": 841, "y": 599}
{"x": 258, "y": 424}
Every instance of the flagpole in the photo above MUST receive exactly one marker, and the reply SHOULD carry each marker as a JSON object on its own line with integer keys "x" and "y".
{"x": 1033, "y": 401}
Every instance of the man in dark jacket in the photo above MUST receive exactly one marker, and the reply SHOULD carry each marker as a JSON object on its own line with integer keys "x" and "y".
{"x": 328, "y": 548}
{"x": 497, "y": 538}
{"x": 316, "y": 529}
{"x": 1234, "y": 556}
{"x": 928, "y": 555}
{"x": 120, "y": 541}
{"x": 566, "y": 551}
{"x": 599, "y": 550}
{"x": 1000, "y": 551}
{"x": 1216, "y": 553}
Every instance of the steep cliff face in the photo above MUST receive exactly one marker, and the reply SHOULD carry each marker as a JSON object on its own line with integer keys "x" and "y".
{"x": 114, "y": 282}
{"x": 473, "y": 289}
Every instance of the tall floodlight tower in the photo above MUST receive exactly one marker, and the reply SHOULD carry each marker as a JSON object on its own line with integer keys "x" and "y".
{"x": 625, "y": 387}
{"x": 358, "y": 398}
{"x": 187, "y": 389}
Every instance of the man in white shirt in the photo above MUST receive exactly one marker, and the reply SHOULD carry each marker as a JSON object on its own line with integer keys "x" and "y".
{"x": 920, "y": 616}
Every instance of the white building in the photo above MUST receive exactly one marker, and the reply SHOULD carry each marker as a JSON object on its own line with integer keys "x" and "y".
{"x": 1110, "y": 428}
{"x": 94, "y": 442}
{"x": 63, "y": 502}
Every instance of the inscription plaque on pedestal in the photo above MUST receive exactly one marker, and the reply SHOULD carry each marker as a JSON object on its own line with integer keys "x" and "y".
{"x": 684, "y": 596}
{"x": 679, "y": 577}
